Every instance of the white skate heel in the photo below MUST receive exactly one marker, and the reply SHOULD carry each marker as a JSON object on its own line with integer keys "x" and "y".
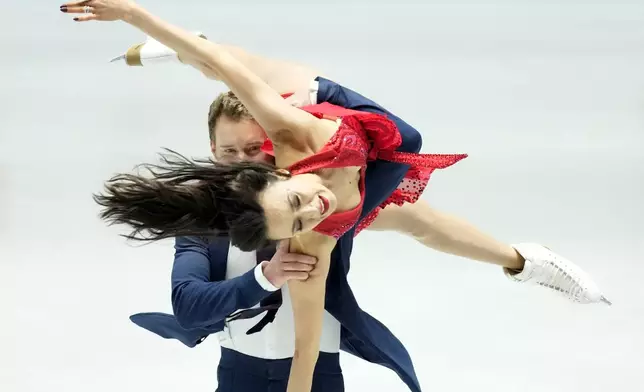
{"x": 547, "y": 269}
{"x": 150, "y": 52}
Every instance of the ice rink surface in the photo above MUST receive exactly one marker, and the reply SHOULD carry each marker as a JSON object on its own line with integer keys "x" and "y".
{"x": 546, "y": 97}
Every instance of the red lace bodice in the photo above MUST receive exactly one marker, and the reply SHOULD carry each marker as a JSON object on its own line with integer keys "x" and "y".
{"x": 360, "y": 138}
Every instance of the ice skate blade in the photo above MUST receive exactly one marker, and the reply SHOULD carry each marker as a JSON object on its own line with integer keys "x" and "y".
{"x": 118, "y": 58}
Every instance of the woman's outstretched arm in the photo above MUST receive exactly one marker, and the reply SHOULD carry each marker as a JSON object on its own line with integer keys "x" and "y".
{"x": 264, "y": 103}
{"x": 289, "y": 128}
{"x": 308, "y": 309}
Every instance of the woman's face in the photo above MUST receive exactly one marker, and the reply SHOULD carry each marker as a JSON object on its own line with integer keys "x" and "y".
{"x": 296, "y": 205}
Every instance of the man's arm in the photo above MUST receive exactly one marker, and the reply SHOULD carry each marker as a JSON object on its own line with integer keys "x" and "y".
{"x": 197, "y": 301}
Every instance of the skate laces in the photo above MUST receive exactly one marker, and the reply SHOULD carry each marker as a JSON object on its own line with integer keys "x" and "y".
{"x": 556, "y": 276}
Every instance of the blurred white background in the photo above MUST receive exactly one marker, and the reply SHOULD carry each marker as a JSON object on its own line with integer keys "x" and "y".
{"x": 546, "y": 97}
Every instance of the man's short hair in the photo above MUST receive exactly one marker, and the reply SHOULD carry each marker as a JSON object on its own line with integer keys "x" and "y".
{"x": 226, "y": 104}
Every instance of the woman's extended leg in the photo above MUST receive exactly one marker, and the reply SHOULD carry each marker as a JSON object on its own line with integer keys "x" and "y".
{"x": 525, "y": 262}
{"x": 283, "y": 76}
{"x": 446, "y": 233}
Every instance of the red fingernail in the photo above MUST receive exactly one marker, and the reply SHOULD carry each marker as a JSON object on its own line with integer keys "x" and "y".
{"x": 63, "y": 8}
{"x": 76, "y": 19}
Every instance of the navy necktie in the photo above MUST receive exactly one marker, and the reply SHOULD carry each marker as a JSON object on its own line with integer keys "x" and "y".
{"x": 270, "y": 304}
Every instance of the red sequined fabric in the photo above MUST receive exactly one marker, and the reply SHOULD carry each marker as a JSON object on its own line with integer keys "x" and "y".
{"x": 363, "y": 137}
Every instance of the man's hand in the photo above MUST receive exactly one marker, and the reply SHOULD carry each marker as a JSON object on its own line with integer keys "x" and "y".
{"x": 285, "y": 266}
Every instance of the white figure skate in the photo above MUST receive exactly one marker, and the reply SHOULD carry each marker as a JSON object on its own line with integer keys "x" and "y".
{"x": 547, "y": 269}
{"x": 150, "y": 52}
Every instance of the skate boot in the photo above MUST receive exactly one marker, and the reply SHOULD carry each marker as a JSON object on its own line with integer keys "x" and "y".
{"x": 148, "y": 53}
{"x": 547, "y": 269}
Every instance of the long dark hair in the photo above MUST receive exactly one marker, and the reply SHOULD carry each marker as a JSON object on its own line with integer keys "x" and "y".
{"x": 191, "y": 197}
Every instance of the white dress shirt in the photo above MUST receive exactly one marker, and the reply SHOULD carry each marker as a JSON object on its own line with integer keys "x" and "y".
{"x": 277, "y": 339}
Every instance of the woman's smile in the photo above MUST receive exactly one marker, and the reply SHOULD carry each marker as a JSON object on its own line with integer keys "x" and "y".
{"x": 324, "y": 205}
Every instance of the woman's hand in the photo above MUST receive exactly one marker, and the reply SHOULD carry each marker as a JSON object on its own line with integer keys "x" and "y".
{"x": 105, "y": 10}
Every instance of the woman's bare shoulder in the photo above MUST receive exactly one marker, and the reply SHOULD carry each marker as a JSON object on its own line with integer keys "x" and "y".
{"x": 291, "y": 146}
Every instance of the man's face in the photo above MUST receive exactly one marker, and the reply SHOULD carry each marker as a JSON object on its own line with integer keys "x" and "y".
{"x": 239, "y": 141}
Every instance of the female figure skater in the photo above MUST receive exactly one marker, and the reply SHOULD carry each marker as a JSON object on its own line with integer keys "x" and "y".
{"x": 325, "y": 147}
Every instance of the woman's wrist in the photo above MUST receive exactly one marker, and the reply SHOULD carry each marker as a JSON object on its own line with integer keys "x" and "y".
{"x": 301, "y": 375}
{"x": 133, "y": 13}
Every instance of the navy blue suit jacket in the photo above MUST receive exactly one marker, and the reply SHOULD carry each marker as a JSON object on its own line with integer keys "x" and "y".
{"x": 202, "y": 298}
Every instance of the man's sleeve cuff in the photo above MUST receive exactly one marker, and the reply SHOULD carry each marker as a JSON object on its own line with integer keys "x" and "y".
{"x": 261, "y": 279}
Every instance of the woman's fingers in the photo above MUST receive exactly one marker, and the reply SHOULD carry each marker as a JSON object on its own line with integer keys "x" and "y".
{"x": 74, "y": 6}
{"x": 79, "y": 10}
{"x": 103, "y": 10}
{"x": 85, "y": 18}
{"x": 75, "y": 3}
